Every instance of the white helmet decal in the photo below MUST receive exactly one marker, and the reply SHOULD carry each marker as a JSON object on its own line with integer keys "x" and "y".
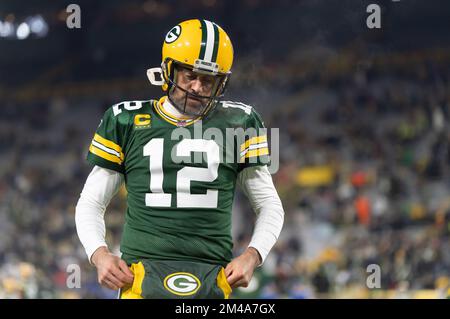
{"x": 173, "y": 34}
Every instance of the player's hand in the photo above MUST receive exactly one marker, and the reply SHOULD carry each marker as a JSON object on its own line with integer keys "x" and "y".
{"x": 113, "y": 272}
{"x": 240, "y": 270}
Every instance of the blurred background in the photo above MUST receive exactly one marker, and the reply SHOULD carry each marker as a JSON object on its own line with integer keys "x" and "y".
{"x": 364, "y": 136}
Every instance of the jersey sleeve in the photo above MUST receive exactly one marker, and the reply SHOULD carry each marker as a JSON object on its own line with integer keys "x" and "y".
{"x": 106, "y": 149}
{"x": 254, "y": 150}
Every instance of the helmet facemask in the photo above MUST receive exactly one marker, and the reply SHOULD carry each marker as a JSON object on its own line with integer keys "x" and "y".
{"x": 170, "y": 71}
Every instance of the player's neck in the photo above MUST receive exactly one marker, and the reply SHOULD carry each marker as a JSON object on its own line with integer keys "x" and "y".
{"x": 172, "y": 110}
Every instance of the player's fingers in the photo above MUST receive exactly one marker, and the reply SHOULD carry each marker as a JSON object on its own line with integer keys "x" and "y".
{"x": 116, "y": 281}
{"x": 120, "y": 275}
{"x": 229, "y": 269}
{"x": 109, "y": 284}
{"x": 240, "y": 283}
{"x": 232, "y": 279}
{"x": 124, "y": 267}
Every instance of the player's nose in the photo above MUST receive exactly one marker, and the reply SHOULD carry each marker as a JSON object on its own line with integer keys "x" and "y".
{"x": 196, "y": 85}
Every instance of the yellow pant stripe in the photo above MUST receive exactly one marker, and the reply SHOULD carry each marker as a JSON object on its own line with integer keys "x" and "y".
{"x": 135, "y": 291}
{"x": 223, "y": 284}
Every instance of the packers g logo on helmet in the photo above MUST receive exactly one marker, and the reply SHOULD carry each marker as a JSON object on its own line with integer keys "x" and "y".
{"x": 182, "y": 283}
{"x": 173, "y": 34}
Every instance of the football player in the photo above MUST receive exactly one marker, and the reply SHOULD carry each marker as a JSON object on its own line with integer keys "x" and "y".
{"x": 176, "y": 241}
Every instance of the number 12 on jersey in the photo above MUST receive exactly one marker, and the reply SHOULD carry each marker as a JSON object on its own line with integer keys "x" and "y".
{"x": 157, "y": 198}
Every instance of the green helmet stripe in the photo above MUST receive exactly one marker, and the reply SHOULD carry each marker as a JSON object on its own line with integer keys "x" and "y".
{"x": 204, "y": 38}
{"x": 216, "y": 43}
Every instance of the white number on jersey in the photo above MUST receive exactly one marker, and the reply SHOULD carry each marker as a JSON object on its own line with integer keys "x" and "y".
{"x": 128, "y": 105}
{"x": 157, "y": 198}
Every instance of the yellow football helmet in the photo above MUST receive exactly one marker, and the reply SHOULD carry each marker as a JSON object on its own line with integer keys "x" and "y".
{"x": 202, "y": 46}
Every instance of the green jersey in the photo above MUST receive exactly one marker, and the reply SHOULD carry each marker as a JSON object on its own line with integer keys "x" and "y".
{"x": 180, "y": 176}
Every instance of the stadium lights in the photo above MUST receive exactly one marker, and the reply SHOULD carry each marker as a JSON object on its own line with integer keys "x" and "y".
{"x": 38, "y": 25}
{"x": 22, "y": 30}
{"x": 6, "y": 29}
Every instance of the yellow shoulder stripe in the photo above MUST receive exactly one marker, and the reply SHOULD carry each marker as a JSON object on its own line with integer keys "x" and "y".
{"x": 257, "y": 152}
{"x": 254, "y": 140}
{"x": 107, "y": 143}
{"x": 112, "y": 158}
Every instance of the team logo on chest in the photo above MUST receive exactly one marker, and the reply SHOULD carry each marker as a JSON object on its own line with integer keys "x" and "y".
{"x": 182, "y": 283}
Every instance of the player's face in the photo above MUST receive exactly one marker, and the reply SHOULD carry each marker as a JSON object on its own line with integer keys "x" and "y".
{"x": 199, "y": 84}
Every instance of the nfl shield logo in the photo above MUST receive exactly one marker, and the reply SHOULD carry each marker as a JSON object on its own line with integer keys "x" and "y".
{"x": 181, "y": 123}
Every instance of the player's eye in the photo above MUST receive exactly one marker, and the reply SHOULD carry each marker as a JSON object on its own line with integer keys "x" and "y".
{"x": 208, "y": 81}
{"x": 190, "y": 76}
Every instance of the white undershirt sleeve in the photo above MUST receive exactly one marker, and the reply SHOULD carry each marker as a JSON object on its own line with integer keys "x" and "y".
{"x": 100, "y": 187}
{"x": 256, "y": 183}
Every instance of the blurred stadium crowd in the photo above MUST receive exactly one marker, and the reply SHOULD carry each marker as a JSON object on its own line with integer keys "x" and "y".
{"x": 364, "y": 177}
